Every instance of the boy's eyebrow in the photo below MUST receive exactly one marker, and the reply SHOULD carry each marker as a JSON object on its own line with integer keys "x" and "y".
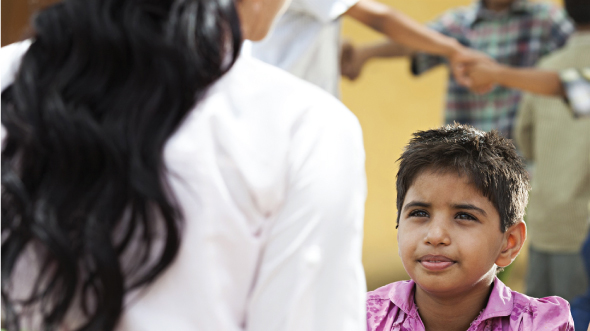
{"x": 469, "y": 207}
{"x": 417, "y": 204}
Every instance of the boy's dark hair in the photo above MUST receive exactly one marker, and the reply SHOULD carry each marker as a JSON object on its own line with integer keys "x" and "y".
{"x": 578, "y": 10}
{"x": 487, "y": 158}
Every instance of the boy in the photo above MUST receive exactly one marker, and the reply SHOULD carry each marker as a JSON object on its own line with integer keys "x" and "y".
{"x": 306, "y": 39}
{"x": 513, "y": 32}
{"x": 461, "y": 196}
{"x": 558, "y": 144}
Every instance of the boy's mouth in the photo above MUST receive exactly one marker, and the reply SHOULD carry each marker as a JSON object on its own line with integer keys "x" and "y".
{"x": 436, "y": 262}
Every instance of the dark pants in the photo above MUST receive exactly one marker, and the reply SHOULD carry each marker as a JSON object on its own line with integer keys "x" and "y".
{"x": 560, "y": 274}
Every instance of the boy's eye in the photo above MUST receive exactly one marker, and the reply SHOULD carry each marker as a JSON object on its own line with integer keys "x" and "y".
{"x": 418, "y": 213}
{"x": 465, "y": 216}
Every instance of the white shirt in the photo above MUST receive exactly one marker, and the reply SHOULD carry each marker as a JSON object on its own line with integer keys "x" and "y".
{"x": 306, "y": 42}
{"x": 269, "y": 173}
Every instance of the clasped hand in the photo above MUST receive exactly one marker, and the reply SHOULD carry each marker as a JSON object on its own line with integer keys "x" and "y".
{"x": 474, "y": 70}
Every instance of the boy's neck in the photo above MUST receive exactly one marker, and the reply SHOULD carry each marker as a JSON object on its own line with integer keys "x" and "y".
{"x": 452, "y": 312}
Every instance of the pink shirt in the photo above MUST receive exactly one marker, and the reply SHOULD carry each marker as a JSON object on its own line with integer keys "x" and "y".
{"x": 392, "y": 308}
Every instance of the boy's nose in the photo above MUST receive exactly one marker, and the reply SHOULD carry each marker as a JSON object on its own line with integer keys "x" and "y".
{"x": 437, "y": 233}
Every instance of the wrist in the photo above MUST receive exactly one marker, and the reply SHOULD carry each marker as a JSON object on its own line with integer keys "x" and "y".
{"x": 498, "y": 73}
{"x": 365, "y": 53}
{"x": 452, "y": 48}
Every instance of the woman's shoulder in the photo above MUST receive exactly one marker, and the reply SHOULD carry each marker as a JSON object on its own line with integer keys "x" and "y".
{"x": 549, "y": 313}
{"x": 276, "y": 84}
{"x": 277, "y": 99}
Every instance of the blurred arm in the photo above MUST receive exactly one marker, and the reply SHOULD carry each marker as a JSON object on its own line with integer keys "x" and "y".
{"x": 402, "y": 29}
{"x": 387, "y": 48}
{"x": 408, "y": 32}
{"x": 526, "y": 79}
{"x": 530, "y": 80}
{"x": 355, "y": 57}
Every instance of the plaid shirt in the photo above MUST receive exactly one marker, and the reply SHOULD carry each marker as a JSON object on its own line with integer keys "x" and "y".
{"x": 517, "y": 37}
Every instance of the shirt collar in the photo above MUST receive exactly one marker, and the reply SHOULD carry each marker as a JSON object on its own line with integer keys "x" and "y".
{"x": 499, "y": 304}
{"x": 402, "y": 295}
{"x": 480, "y": 13}
{"x": 579, "y": 38}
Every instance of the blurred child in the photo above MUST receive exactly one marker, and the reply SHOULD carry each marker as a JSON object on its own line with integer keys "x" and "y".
{"x": 306, "y": 39}
{"x": 513, "y": 32}
{"x": 558, "y": 144}
{"x": 461, "y": 197}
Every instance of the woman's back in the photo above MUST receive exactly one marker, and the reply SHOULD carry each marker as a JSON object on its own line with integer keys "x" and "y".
{"x": 268, "y": 173}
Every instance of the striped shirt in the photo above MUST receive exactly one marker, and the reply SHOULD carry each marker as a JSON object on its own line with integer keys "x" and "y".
{"x": 517, "y": 37}
{"x": 558, "y": 143}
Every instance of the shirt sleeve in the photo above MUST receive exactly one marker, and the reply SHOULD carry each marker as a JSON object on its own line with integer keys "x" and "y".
{"x": 561, "y": 27}
{"x": 311, "y": 275}
{"x": 445, "y": 24}
{"x": 10, "y": 60}
{"x": 325, "y": 11}
{"x": 524, "y": 128}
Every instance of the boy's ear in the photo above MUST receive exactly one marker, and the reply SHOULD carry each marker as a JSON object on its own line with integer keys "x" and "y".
{"x": 513, "y": 241}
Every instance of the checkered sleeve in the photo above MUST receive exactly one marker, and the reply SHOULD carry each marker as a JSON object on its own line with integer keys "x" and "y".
{"x": 561, "y": 27}
{"x": 445, "y": 24}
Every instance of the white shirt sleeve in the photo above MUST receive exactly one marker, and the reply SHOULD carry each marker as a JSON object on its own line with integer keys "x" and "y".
{"x": 311, "y": 276}
{"x": 10, "y": 60}
{"x": 10, "y": 57}
{"x": 324, "y": 10}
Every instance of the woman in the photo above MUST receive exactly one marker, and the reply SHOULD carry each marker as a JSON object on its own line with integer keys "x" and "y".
{"x": 153, "y": 181}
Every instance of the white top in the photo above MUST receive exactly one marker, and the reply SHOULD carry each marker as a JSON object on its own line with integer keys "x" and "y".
{"x": 306, "y": 42}
{"x": 269, "y": 173}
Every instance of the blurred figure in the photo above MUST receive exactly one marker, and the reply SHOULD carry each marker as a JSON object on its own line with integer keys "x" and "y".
{"x": 512, "y": 32}
{"x": 149, "y": 183}
{"x": 558, "y": 144}
{"x": 581, "y": 305}
{"x": 306, "y": 39}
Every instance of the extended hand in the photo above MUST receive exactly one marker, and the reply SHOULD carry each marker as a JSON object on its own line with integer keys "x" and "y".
{"x": 461, "y": 63}
{"x": 351, "y": 63}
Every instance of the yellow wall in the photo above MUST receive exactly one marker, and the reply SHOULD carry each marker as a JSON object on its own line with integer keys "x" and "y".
{"x": 391, "y": 104}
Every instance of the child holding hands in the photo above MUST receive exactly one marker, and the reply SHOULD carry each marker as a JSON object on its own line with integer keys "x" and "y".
{"x": 554, "y": 134}
{"x": 461, "y": 200}
{"x": 512, "y": 32}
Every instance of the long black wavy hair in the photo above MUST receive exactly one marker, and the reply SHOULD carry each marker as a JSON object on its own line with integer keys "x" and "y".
{"x": 102, "y": 87}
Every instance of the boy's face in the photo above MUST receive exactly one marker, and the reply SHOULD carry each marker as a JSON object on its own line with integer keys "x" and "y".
{"x": 449, "y": 234}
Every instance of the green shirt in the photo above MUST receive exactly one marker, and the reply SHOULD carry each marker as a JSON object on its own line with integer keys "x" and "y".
{"x": 558, "y": 143}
